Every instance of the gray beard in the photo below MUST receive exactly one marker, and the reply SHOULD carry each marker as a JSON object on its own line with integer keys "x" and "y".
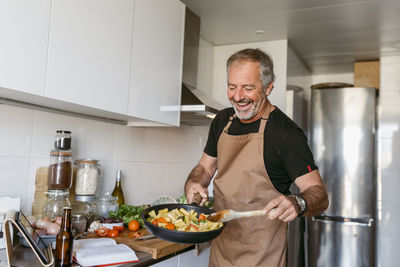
{"x": 250, "y": 113}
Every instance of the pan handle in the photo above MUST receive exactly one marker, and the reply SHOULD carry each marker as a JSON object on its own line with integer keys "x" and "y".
{"x": 196, "y": 199}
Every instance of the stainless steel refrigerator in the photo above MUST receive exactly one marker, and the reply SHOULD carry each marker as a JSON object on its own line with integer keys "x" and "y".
{"x": 343, "y": 143}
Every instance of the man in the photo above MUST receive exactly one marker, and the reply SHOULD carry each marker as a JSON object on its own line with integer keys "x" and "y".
{"x": 258, "y": 152}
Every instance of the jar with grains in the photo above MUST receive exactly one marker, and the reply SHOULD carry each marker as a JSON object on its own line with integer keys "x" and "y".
{"x": 60, "y": 170}
{"x": 87, "y": 176}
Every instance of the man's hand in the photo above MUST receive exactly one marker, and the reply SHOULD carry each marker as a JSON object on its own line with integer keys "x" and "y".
{"x": 200, "y": 177}
{"x": 283, "y": 207}
{"x": 192, "y": 188}
{"x": 312, "y": 191}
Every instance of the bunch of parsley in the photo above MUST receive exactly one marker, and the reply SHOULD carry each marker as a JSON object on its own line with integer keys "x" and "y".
{"x": 128, "y": 213}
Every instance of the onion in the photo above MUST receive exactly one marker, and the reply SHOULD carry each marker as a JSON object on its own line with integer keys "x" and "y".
{"x": 53, "y": 229}
{"x": 31, "y": 219}
{"x": 58, "y": 220}
{"x": 43, "y": 223}
{"x": 41, "y": 232}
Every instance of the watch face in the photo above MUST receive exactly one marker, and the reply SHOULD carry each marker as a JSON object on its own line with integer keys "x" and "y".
{"x": 301, "y": 202}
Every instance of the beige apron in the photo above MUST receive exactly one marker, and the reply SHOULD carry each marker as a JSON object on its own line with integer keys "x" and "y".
{"x": 242, "y": 184}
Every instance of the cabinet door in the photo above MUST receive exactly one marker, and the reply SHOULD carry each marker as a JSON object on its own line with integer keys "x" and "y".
{"x": 89, "y": 53}
{"x": 24, "y": 29}
{"x": 156, "y": 73}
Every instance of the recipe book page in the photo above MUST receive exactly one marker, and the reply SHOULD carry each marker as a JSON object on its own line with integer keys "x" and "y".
{"x": 102, "y": 252}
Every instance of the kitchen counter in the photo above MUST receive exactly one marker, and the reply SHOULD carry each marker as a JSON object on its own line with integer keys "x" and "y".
{"x": 25, "y": 257}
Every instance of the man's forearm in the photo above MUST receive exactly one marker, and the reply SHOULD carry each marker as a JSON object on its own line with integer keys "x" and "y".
{"x": 198, "y": 175}
{"x": 316, "y": 199}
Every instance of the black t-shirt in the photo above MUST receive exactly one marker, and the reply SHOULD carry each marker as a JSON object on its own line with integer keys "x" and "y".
{"x": 286, "y": 152}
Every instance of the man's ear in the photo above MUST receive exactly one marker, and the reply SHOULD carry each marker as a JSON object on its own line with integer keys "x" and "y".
{"x": 269, "y": 88}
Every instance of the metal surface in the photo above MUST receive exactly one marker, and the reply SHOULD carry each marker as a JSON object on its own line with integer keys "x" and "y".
{"x": 343, "y": 144}
{"x": 335, "y": 244}
{"x": 195, "y": 105}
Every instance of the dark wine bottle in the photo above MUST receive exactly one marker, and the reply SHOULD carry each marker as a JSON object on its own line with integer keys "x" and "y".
{"x": 64, "y": 242}
{"x": 117, "y": 192}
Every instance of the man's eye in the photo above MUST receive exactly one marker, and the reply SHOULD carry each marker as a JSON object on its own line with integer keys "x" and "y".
{"x": 248, "y": 88}
{"x": 231, "y": 88}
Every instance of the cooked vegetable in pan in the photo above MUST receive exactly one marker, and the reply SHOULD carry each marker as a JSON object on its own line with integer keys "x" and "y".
{"x": 182, "y": 220}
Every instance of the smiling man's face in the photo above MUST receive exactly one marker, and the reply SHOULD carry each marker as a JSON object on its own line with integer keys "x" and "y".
{"x": 245, "y": 90}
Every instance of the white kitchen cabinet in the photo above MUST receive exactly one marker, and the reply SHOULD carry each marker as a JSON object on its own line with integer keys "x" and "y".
{"x": 24, "y": 29}
{"x": 89, "y": 53}
{"x": 156, "y": 73}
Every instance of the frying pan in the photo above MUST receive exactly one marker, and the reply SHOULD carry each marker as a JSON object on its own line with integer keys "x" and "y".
{"x": 179, "y": 236}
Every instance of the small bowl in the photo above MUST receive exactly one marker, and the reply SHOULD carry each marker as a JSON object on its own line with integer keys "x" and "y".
{"x": 111, "y": 225}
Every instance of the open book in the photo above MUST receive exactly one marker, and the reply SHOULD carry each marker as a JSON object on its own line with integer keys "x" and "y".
{"x": 102, "y": 252}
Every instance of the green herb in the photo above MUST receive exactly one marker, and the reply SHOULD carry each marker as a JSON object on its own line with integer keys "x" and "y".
{"x": 128, "y": 213}
{"x": 195, "y": 222}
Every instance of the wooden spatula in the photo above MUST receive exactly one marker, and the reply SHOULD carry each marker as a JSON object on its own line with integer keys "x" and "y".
{"x": 228, "y": 215}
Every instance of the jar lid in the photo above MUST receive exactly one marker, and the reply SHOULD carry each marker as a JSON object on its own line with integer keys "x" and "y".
{"x": 58, "y": 193}
{"x": 56, "y": 153}
{"x": 106, "y": 196}
{"x": 86, "y": 161}
{"x": 84, "y": 198}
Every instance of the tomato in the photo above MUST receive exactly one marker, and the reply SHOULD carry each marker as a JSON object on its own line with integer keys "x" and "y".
{"x": 155, "y": 222}
{"x": 113, "y": 233}
{"x": 133, "y": 225}
{"x": 119, "y": 228}
{"x": 194, "y": 227}
{"x": 202, "y": 217}
{"x": 162, "y": 220}
{"x": 135, "y": 234}
{"x": 103, "y": 231}
{"x": 170, "y": 226}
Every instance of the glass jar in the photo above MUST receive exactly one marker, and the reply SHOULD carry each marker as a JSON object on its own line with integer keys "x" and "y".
{"x": 106, "y": 204}
{"x": 56, "y": 201}
{"x": 60, "y": 170}
{"x": 87, "y": 176}
{"x": 78, "y": 224}
{"x": 63, "y": 140}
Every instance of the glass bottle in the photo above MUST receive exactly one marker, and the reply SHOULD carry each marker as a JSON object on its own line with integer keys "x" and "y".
{"x": 64, "y": 242}
{"x": 60, "y": 170}
{"x": 117, "y": 192}
{"x": 87, "y": 176}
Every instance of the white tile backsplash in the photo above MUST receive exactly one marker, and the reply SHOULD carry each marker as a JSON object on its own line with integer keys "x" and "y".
{"x": 14, "y": 174}
{"x": 15, "y": 131}
{"x": 155, "y": 161}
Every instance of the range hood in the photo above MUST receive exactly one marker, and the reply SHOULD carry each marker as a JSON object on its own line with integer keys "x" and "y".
{"x": 197, "y": 108}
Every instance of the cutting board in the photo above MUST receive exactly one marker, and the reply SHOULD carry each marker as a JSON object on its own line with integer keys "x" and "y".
{"x": 156, "y": 247}
{"x": 41, "y": 187}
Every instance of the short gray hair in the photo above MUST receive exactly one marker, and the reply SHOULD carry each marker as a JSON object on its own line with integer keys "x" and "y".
{"x": 256, "y": 55}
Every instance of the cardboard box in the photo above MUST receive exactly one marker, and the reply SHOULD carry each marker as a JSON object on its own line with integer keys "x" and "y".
{"x": 366, "y": 74}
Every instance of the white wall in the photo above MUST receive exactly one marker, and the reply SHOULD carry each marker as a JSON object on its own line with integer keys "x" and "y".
{"x": 154, "y": 161}
{"x": 215, "y": 71}
{"x": 388, "y": 212}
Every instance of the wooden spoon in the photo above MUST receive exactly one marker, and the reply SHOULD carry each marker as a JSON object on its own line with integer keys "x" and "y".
{"x": 228, "y": 215}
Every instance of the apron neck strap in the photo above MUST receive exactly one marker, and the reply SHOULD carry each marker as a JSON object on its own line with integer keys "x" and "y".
{"x": 265, "y": 117}
{"x": 231, "y": 118}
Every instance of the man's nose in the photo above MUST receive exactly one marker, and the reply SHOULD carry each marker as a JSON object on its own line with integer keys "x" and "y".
{"x": 239, "y": 94}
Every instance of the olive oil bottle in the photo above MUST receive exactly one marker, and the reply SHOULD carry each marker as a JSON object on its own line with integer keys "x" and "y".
{"x": 117, "y": 192}
{"x": 64, "y": 242}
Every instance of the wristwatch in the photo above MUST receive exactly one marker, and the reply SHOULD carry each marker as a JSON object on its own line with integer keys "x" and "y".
{"x": 302, "y": 204}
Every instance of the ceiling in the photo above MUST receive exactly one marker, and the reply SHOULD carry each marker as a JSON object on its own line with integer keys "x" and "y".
{"x": 327, "y": 35}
